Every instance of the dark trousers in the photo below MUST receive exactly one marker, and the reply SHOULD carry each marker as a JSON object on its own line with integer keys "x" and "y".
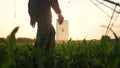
{"x": 45, "y": 37}
{"x": 45, "y": 33}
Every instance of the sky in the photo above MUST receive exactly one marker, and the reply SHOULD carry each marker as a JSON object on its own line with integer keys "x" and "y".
{"x": 85, "y": 19}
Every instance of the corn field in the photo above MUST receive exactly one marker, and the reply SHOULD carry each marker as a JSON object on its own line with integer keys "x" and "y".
{"x": 72, "y": 54}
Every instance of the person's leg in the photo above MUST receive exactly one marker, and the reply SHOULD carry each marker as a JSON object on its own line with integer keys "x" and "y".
{"x": 42, "y": 33}
{"x": 51, "y": 40}
{"x": 50, "y": 46}
{"x": 45, "y": 36}
{"x": 45, "y": 33}
{"x": 41, "y": 39}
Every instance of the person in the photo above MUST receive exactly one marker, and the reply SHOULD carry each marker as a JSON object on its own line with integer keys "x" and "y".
{"x": 40, "y": 12}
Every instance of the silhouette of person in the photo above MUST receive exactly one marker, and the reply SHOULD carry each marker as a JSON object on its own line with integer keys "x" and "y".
{"x": 40, "y": 12}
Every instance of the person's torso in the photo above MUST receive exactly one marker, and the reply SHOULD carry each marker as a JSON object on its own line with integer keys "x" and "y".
{"x": 39, "y": 7}
{"x": 37, "y": 4}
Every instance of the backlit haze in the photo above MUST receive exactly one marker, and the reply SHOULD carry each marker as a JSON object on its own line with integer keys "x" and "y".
{"x": 85, "y": 19}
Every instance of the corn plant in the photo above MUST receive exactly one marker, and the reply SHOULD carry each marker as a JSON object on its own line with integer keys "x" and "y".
{"x": 9, "y": 60}
{"x": 12, "y": 56}
{"x": 104, "y": 53}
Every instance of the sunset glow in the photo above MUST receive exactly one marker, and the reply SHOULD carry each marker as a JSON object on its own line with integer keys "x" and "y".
{"x": 85, "y": 19}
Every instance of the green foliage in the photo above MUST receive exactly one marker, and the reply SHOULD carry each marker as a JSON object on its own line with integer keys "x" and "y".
{"x": 73, "y": 54}
{"x": 9, "y": 61}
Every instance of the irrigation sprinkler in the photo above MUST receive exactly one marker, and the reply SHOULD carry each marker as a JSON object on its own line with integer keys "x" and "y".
{"x": 116, "y": 4}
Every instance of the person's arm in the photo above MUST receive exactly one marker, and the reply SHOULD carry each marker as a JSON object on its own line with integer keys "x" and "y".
{"x": 56, "y": 8}
{"x": 30, "y": 9}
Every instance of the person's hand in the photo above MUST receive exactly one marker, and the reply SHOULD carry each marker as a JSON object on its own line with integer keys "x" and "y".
{"x": 32, "y": 23}
{"x": 60, "y": 19}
